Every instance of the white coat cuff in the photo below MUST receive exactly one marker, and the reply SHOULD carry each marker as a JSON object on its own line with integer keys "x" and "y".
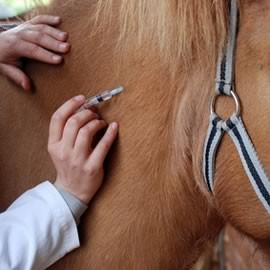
{"x": 63, "y": 217}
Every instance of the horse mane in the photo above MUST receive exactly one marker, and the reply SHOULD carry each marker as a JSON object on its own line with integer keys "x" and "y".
{"x": 183, "y": 30}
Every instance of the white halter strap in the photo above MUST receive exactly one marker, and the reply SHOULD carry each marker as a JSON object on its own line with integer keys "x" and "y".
{"x": 234, "y": 126}
{"x": 225, "y": 67}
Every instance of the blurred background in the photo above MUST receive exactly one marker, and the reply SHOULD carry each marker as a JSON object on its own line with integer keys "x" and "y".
{"x": 11, "y": 8}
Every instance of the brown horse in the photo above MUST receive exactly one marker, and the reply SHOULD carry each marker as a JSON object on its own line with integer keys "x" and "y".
{"x": 154, "y": 211}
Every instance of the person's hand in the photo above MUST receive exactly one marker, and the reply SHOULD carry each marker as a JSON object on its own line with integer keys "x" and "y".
{"x": 37, "y": 39}
{"x": 79, "y": 167}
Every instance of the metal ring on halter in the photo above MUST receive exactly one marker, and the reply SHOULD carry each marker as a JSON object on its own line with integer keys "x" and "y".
{"x": 236, "y": 101}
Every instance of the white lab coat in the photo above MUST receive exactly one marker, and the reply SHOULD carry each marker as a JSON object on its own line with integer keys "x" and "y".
{"x": 36, "y": 230}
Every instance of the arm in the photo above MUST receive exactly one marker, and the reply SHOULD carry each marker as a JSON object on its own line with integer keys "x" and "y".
{"x": 39, "y": 228}
{"x": 36, "y": 230}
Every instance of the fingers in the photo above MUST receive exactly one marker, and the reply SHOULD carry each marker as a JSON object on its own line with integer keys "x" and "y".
{"x": 85, "y": 137}
{"x": 16, "y": 75}
{"x": 36, "y": 52}
{"x": 41, "y": 24}
{"x": 53, "y": 32}
{"x": 98, "y": 155}
{"x": 38, "y": 40}
{"x": 46, "y": 19}
{"x": 44, "y": 40}
{"x": 74, "y": 124}
{"x": 61, "y": 116}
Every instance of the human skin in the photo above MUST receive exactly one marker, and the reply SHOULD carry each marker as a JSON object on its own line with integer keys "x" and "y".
{"x": 79, "y": 167}
{"x": 36, "y": 39}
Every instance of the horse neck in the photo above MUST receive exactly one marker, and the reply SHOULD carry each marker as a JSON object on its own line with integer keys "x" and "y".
{"x": 154, "y": 182}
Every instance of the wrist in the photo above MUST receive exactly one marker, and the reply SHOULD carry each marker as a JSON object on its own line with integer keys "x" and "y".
{"x": 83, "y": 197}
{"x": 76, "y": 206}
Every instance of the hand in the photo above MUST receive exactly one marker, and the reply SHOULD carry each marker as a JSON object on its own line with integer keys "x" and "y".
{"x": 36, "y": 39}
{"x": 79, "y": 168}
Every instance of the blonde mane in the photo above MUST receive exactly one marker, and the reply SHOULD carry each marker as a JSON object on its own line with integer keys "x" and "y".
{"x": 182, "y": 30}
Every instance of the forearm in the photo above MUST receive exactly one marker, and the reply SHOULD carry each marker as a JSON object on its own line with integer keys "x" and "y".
{"x": 41, "y": 224}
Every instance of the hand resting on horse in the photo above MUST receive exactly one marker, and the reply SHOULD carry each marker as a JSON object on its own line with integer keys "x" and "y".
{"x": 36, "y": 39}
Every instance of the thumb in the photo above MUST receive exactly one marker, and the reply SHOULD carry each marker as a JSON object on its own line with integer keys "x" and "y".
{"x": 16, "y": 75}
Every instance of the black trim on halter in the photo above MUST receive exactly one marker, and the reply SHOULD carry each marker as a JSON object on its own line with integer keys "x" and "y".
{"x": 230, "y": 124}
{"x": 222, "y": 75}
{"x": 207, "y": 152}
{"x": 215, "y": 121}
{"x": 251, "y": 167}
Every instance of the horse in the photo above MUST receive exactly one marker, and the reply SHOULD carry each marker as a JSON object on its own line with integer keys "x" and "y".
{"x": 154, "y": 210}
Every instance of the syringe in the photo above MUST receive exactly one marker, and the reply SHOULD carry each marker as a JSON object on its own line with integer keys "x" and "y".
{"x": 106, "y": 95}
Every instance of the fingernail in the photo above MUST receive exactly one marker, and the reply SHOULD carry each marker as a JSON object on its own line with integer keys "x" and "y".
{"x": 56, "y": 57}
{"x": 26, "y": 86}
{"x": 114, "y": 125}
{"x": 63, "y": 46}
{"x": 23, "y": 85}
{"x": 62, "y": 35}
{"x": 79, "y": 98}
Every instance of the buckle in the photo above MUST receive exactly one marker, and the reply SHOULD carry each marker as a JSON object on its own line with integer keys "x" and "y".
{"x": 235, "y": 98}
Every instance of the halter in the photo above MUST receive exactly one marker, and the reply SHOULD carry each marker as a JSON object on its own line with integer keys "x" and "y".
{"x": 234, "y": 126}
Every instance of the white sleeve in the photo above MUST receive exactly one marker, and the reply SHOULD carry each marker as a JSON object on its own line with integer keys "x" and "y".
{"x": 36, "y": 230}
